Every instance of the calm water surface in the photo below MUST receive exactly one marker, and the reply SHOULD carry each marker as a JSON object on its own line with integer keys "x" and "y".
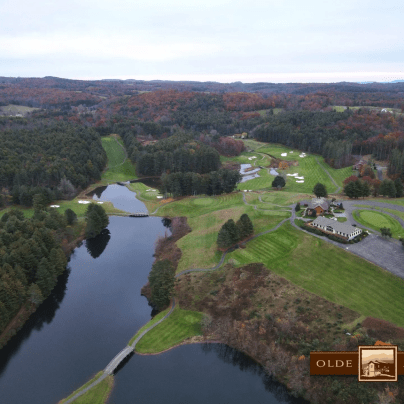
{"x": 92, "y": 314}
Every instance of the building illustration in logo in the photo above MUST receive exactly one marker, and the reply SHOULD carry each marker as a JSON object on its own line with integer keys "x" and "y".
{"x": 377, "y": 363}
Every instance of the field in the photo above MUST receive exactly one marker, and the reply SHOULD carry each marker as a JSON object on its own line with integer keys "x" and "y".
{"x": 199, "y": 249}
{"x": 311, "y": 167}
{"x": 97, "y": 395}
{"x": 119, "y": 166}
{"x": 180, "y": 325}
{"x": 327, "y": 271}
{"x": 16, "y": 109}
{"x": 376, "y": 220}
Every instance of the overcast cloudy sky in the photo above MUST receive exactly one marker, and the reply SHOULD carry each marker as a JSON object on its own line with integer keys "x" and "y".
{"x": 221, "y": 40}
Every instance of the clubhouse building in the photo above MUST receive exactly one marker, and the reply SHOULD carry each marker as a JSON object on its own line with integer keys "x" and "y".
{"x": 333, "y": 227}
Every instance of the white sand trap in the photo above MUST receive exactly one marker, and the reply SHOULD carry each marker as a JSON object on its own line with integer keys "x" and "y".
{"x": 293, "y": 175}
{"x": 159, "y": 196}
{"x": 284, "y": 154}
{"x": 299, "y": 178}
{"x": 85, "y": 202}
{"x": 100, "y": 203}
{"x": 300, "y": 181}
{"x": 55, "y": 206}
{"x": 301, "y": 155}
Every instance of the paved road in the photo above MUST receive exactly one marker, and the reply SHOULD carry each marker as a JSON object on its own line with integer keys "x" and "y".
{"x": 387, "y": 254}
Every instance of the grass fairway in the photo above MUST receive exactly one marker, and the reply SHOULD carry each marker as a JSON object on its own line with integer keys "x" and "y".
{"x": 149, "y": 324}
{"x": 179, "y": 326}
{"x": 196, "y": 206}
{"x": 119, "y": 166}
{"x": 263, "y": 181}
{"x": 199, "y": 249}
{"x": 376, "y": 220}
{"x": 327, "y": 271}
{"x": 97, "y": 395}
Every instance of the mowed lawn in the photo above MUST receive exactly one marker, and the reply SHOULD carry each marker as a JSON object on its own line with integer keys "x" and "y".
{"x": 119, "y": 168}
{"x": 199, "y": 248}
{"x": 377, "y": 220}
{"x": 199, "y": 205}
{"x": 176, "y": 328}
{"x": 327, "y": 271}
{"x": 97, "y": 395}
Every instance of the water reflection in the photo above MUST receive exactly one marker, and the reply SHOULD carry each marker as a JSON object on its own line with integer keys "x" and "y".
{"x": 44, "y": 315}
{"x": 96, "y": 245}
{"x": 247, "y": 364}
{"x": 166, "y": 222}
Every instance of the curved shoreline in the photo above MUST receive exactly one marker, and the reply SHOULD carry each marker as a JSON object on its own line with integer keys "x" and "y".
{"x": 290, "y": 209}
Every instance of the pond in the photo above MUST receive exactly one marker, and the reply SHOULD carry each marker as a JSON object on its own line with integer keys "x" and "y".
{"x": 92, "y": 314}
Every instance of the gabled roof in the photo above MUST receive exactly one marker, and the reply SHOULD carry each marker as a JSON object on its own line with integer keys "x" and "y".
{"x": 338, "y": 226}
{"x": 323, "y": 203}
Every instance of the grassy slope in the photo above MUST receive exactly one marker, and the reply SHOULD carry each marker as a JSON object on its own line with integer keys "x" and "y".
{"x": 205, "y": 217}
{"x": 328, "y": 271}
{"x": 376, "y": 220}
{"x": 150, "y": 323}
{"x": 116, "y": 171}
{"x": 180, "y": 325}
{"x": 97, "y": 395}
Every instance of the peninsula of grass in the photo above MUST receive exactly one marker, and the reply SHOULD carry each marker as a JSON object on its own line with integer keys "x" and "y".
{"x": 179, "y": 326}
{"x": 327, "y": 271}
{"x": 156, "y": 318}
{"x": 377, "y": 220}
{"x": 97, "y": 395}
{"x": 119, "y": 167}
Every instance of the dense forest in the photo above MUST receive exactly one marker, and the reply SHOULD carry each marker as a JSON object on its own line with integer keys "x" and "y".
{"x": 52, "y": 159}
{"x": 31, "y": 259}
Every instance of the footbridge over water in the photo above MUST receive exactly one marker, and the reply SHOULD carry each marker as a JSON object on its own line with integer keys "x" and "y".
{"x": 117, "y": 360}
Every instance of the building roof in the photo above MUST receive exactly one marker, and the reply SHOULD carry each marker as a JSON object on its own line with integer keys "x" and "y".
{"x": 324, "y": 203}
{"x": 338, "y": 226}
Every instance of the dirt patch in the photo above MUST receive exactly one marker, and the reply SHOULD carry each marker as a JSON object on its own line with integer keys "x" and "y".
{"x": 382, "y": 329}
{"x": 231, "y": 165}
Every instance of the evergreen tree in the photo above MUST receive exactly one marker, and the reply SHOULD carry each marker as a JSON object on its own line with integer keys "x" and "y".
{"x": 297, "y": 207}
{"x": 320, "y": 190}
{"x": 245, "y": 227}
{"x": 97, "y": 220}
{"x": 278, "y": 182}
{"x": 386, "y": 232}
{"x": 399, "y": 188}
{"x": 44, "y": 277}
{"x": 228, "y": 234}
{"x": 70, "y": 216}
{"x": 161, "y": 280}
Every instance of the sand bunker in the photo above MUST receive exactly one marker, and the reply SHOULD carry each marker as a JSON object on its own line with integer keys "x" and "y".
{"x": 100, "y": 203}
{"x": 284, "y": 154}
{"x": 300, "y": 181}
{"x": 292, "y": 175}
{"x": 159, "y": 196}
{"x": 85, "y": 202}
{"x": 299, "y": 178}
{"x": 54, "y": 206}
{"x": 252, "y": 158}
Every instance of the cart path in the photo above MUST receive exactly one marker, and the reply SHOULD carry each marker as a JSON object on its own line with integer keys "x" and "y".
{"x": 331, "y": 178}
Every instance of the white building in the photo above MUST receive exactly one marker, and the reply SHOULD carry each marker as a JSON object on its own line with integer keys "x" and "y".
{"x": 340, "y": 229}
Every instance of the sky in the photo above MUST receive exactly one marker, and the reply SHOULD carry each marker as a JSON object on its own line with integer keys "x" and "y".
{"x": 203, "y": 40}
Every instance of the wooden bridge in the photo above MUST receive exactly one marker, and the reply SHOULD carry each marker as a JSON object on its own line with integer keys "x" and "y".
{"x": 139, "y": 214}
{"x": 117, "y": 360}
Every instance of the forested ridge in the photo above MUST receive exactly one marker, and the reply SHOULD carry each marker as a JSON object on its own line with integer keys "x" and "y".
{"x": 36, "y": 158}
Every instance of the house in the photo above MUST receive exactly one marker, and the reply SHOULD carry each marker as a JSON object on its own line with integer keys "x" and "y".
{"x": 376, "y": 368}
{"x": 319, "y": 205}
{"x": 340, "y": 229}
